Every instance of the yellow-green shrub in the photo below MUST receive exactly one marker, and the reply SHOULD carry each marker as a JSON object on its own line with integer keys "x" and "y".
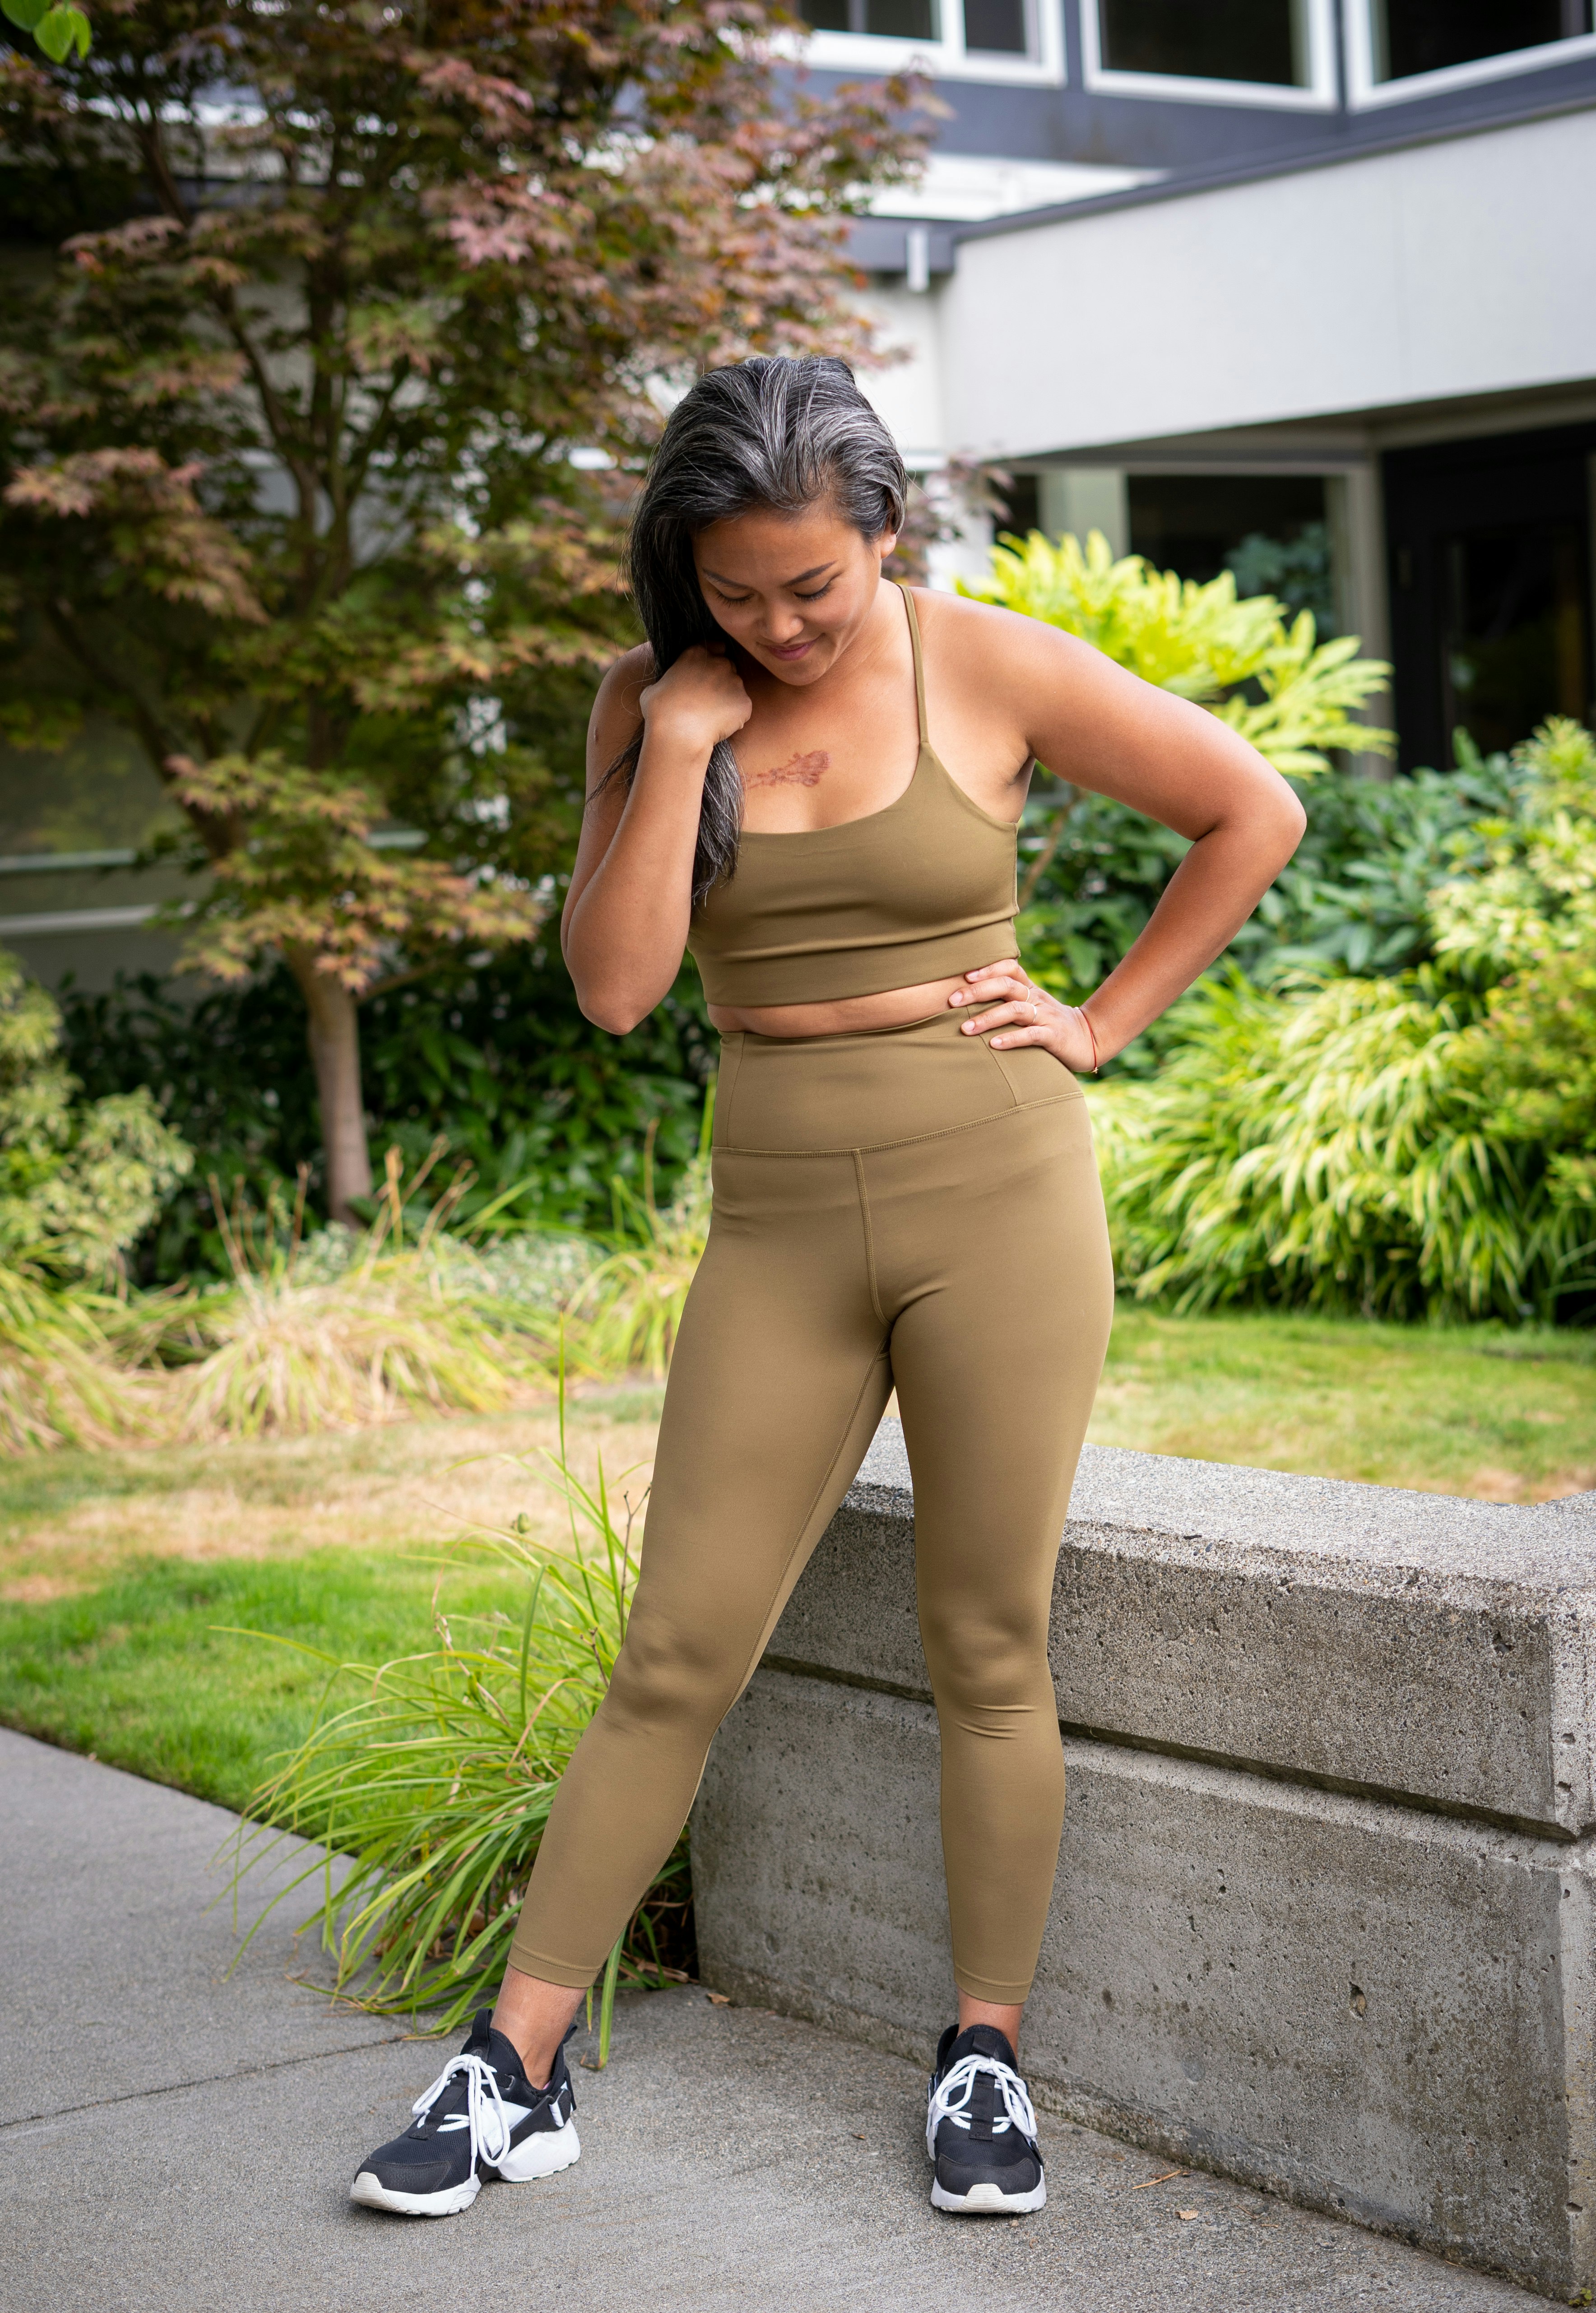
{"x": 1293, "y": 697}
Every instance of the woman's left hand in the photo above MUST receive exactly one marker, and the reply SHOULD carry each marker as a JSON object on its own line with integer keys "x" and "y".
{"x": 1027, "y": 1015}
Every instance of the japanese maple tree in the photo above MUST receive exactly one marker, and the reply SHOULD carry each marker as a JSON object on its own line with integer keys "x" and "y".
{"x": 319, "y": 429}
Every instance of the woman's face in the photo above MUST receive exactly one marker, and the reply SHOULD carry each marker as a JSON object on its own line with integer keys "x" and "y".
{"x": 791, "y": 590}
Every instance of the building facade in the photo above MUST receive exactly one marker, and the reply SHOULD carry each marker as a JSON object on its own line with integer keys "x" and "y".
{"x": 1304, "y": 287}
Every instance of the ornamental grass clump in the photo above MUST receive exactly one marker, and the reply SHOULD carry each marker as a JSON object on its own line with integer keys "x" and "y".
{"x": 629, "y": 1313}
{"x": 61, "y": 1381}
{"x": 388, "y": 1339}
{"x": 433, "y": 1775}
{"x": 287, "y": 1349}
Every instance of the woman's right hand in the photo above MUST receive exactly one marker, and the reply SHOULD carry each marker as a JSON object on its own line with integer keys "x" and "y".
{"x": 696, "y": 702}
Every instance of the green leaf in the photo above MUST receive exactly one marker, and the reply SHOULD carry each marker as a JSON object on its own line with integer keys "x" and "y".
{"x": 56, "y": 33}
{"x": 79, "y": 23}
{"x": 25, "y": 12}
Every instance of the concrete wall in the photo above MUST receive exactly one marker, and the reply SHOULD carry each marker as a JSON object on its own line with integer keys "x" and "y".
{"x": 1324, "y": 1912}
{"x": 1443, "y": 269}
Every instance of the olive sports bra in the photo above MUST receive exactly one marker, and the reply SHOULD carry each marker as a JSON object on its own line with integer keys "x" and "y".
{"x": 924, "y": 890}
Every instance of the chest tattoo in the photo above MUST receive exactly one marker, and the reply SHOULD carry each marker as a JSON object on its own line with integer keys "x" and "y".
{"x": 799, "y": 771}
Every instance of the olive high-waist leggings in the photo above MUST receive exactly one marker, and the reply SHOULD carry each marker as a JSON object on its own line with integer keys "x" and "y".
{"x": 905, "y": 1207}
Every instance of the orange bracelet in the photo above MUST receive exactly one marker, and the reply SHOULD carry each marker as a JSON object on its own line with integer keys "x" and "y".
{"x": 1091, "y": 1032}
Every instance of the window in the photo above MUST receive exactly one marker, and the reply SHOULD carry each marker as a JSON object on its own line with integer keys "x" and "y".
{"x": 1401, "y": 49}
{"x": 1225, "y": 40}
{"x": 962, "y": 40}
{"x": 1270, "y": 530}
{"x": 1222, "y": 51}
{"x": 886, "y": 20}
{"x": 996, "y": 27}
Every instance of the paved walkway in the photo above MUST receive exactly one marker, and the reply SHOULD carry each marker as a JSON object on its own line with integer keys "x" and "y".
{"x": 171, "y": 2137}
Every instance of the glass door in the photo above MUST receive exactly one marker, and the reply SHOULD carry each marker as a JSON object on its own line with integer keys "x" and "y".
{"x": 1489, "y": 544}
{"x": 1513, "y": 632}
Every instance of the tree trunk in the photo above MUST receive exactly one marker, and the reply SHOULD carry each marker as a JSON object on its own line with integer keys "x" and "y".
{"x": 334, "y": 1030}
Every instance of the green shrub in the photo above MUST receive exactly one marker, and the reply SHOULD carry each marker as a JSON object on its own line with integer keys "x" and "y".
{"x": 1532, "y": 915}
{"x": 79, "y": 1180}
{"x": 1327, "y": 1149}
{"x": 1423, "y": 1143}
{"x": 494, "y": 1057}
{"x": 1356, "y": 896}
{"x": 1355, "y": 899}
{"x": 231, "y": 1071}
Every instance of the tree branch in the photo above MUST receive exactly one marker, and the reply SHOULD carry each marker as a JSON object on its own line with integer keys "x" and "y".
{"x": 226, "y": 303}
{"x": 398, "y": 979}
{"x": 153, "y": 146}
{"x": 265, "y": 727}
{"x": 334, "y": 569}
{"x": 358, "y": 465}
{"x": 345, "y": 481}
{"x": 156, "y": 744}
{"x": 219, "y": 835}
{"x": 271, "y": 406}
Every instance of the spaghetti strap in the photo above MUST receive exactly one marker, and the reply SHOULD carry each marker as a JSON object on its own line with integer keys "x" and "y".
{"x": 913, "y": 638}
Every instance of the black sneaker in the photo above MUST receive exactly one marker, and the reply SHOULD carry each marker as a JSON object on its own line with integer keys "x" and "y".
{"x": 980, "y": 2130}
{"x": 481, "y": 2117}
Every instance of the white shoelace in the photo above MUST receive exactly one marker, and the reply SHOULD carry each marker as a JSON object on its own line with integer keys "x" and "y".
{"x": 949, "y": 2099}
{"x": 484, "y": 2106}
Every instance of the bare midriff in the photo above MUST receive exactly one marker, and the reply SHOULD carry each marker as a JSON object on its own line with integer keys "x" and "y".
{"x": 849, "y": 1015}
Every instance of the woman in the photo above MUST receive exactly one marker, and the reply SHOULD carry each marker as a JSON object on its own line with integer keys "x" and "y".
{"x": 812, "y": 778}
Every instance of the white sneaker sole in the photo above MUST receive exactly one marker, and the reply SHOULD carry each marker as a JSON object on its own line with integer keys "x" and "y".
{"x": 544, "y": 2154}
{"x": 369, "y": 2192}
{"x": 989, "y": 2200}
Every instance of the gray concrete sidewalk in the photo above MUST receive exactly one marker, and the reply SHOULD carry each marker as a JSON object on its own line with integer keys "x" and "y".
{"x": 172, "y": 2137}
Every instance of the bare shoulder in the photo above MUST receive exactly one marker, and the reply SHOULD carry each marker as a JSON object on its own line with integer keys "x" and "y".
{"x": 1010, "y": 663}
{"x": 984, "y": 636}
{"x": 991, "y": 670}
{"x": 953, "y": 616}
{"x": 615, "y": 711}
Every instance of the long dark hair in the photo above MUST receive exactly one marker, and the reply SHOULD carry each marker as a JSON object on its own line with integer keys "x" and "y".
{"x": 771, "y": 432}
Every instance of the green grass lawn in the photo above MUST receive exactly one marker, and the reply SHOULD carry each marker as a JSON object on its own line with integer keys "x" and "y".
{"x": 144, "y": 1673}
{"x": 120, "y": 1574}
{"x": 125, "y": 1576}
{"x": 1510, "y": 1416}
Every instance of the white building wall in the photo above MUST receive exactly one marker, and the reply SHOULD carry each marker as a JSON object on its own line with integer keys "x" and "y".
{"x": 907, "y": 391}
{"x": 1462, "y": 266}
